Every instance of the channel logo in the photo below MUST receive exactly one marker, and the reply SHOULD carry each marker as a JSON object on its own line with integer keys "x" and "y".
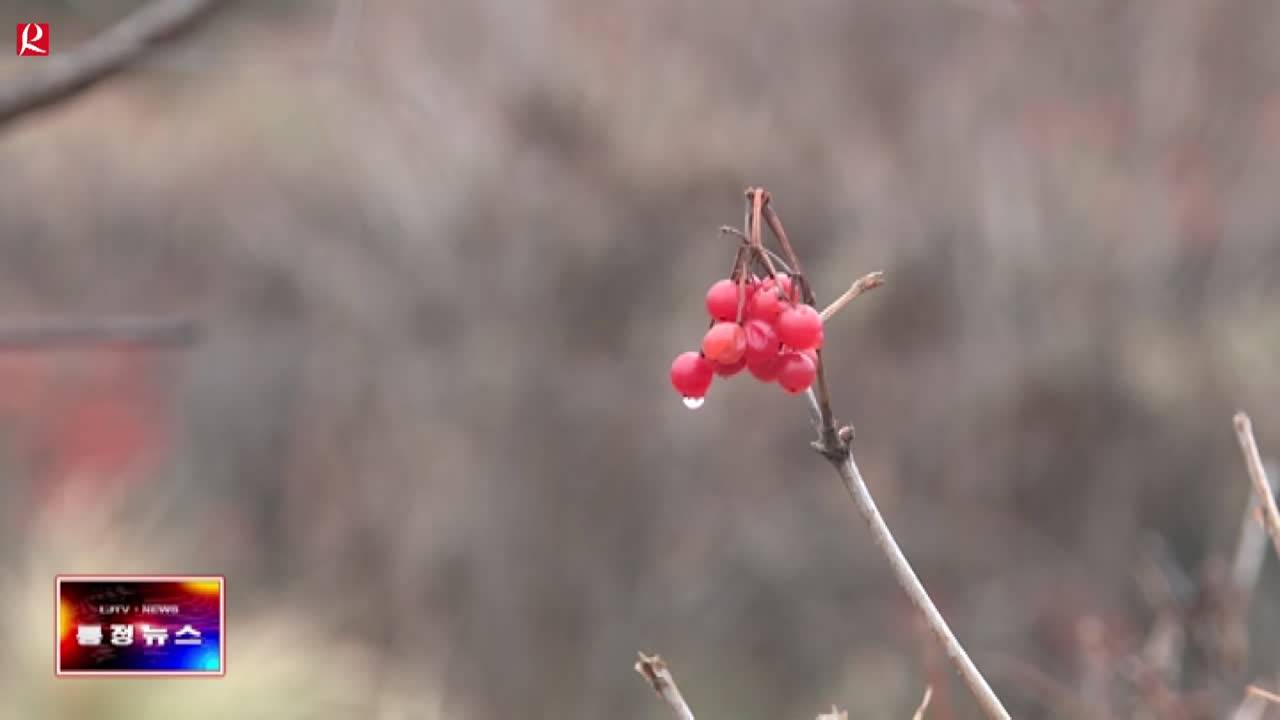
{"x": 140, "y": 625}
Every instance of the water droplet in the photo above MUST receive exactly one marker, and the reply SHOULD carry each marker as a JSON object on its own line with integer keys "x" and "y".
{"x": 694, "y": 403}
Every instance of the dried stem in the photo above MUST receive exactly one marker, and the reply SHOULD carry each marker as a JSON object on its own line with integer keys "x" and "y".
{"x": 1258, "y": 474}
{"x": 841, "y": 457}
{"x": 656, "y": 672}
{"x": 755, "y": 202}
{"x": 866, "y": 282}
{"x": 67, "y": 73}
{"x": 775, "y": 224}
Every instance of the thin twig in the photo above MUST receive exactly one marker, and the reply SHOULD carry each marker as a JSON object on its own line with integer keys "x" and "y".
{"x": 1267, "y": 695}
{"x": 1258, "y": 474}
{"x": 841, "y": 458}
{"x": 924, "y": 704}
{"x": 656, "y": 672}
{"x": 47, "y": 334}
{"x": 867, "y": 282}
{"x": 1251, "y": 549}
{"x": 64, "y": 74}
{"x": 775, "y": 257}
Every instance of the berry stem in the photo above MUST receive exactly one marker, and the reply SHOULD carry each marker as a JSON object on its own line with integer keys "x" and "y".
{"x": 759, "y": 201}
{"x": 777, "y": 259}
{"x": 742, "y": 271}
{"x": 775, "y": 224}
{"x": 755, "y": 205}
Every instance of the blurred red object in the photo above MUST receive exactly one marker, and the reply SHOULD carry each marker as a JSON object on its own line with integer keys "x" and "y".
{"x": 96, "y": 417}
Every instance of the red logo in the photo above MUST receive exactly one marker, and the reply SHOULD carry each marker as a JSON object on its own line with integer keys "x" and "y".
{"x": 33, "y": 39}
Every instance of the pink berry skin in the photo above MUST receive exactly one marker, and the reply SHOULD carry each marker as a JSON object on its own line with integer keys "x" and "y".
{"x": 764, "y": 367}
{"x": 800, "y": 327}
{"x": 765, "y": 304}
{"x": 762, "y": 338}
{"x": 796, "y": 372}
{"x": 691, "y": 374}
{"x": 725, "y": 343}
{"x": 729, "y": 370}
{"x": 722, "y": 300}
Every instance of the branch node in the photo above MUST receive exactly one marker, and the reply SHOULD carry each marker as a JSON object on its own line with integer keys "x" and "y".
{"x": 655, "y": 671}
{"x": 845, "y": 434}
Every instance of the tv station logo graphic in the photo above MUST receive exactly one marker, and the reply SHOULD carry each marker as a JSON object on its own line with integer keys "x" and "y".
{"x": 141, "y": 625}
{"x": 33, "y": 40}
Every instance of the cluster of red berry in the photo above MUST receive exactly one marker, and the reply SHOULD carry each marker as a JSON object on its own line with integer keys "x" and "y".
{"x": 757, "y": 324}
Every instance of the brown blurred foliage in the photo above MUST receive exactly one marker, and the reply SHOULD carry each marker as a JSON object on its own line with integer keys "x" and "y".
{"x": 444, "y": 253}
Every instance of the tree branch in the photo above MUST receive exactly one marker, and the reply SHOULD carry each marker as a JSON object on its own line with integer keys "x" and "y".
{"x": 841, "y": 458}
{"x": 1258, "y": 475}
{"x": 656, "y": 672}
{"x": 45, "y": 334}
{"x": 924, "y": 704}
{"x": 63, "y": 75}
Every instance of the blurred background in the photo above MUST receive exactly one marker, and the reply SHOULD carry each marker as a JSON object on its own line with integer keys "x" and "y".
{"x": 443, "y": 253}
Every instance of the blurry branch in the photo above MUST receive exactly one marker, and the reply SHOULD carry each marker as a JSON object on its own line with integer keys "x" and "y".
{"x": 835, "y": 714}
{"x": 924, "y": 704}
{"x": 1251, "y": 549}
{"x": 655, "y": 671}
{"x": 1096, "y": 671}
{"x": 1255, "y": 691}
{"x": 1258, "y": 474}
{"x": 64, "y": 74}
{"x": 44, "y": 334}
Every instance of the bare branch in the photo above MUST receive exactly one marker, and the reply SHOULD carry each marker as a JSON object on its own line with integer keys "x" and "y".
{"x": 867, "y": 282}
{"x": 1255, "y": 691}
{"x": 63, "y": 75}
{"x": 842, "y": 459}
{"x": 1251, "y": 549}
{"x": 924, "y": 704}
{"x": 1258, "y": 474}
{"x": 46, "y": 334}
{"x": 656, "y": 672}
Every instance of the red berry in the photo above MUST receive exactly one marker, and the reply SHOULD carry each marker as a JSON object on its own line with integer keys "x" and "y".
{"x": 784, "y": 281}
{"x": 764, "y": 367}
{"x": 729, "y": 370}
{"x": 722, "y": 300}
{"x": 691, "y": 374}
{"x": 765, "y": 303}
{"x": 724, "y": 343}
{"x": 796, "y": 372}
{"x": 762, "y": 339}
{"x": 800, "y": 326}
